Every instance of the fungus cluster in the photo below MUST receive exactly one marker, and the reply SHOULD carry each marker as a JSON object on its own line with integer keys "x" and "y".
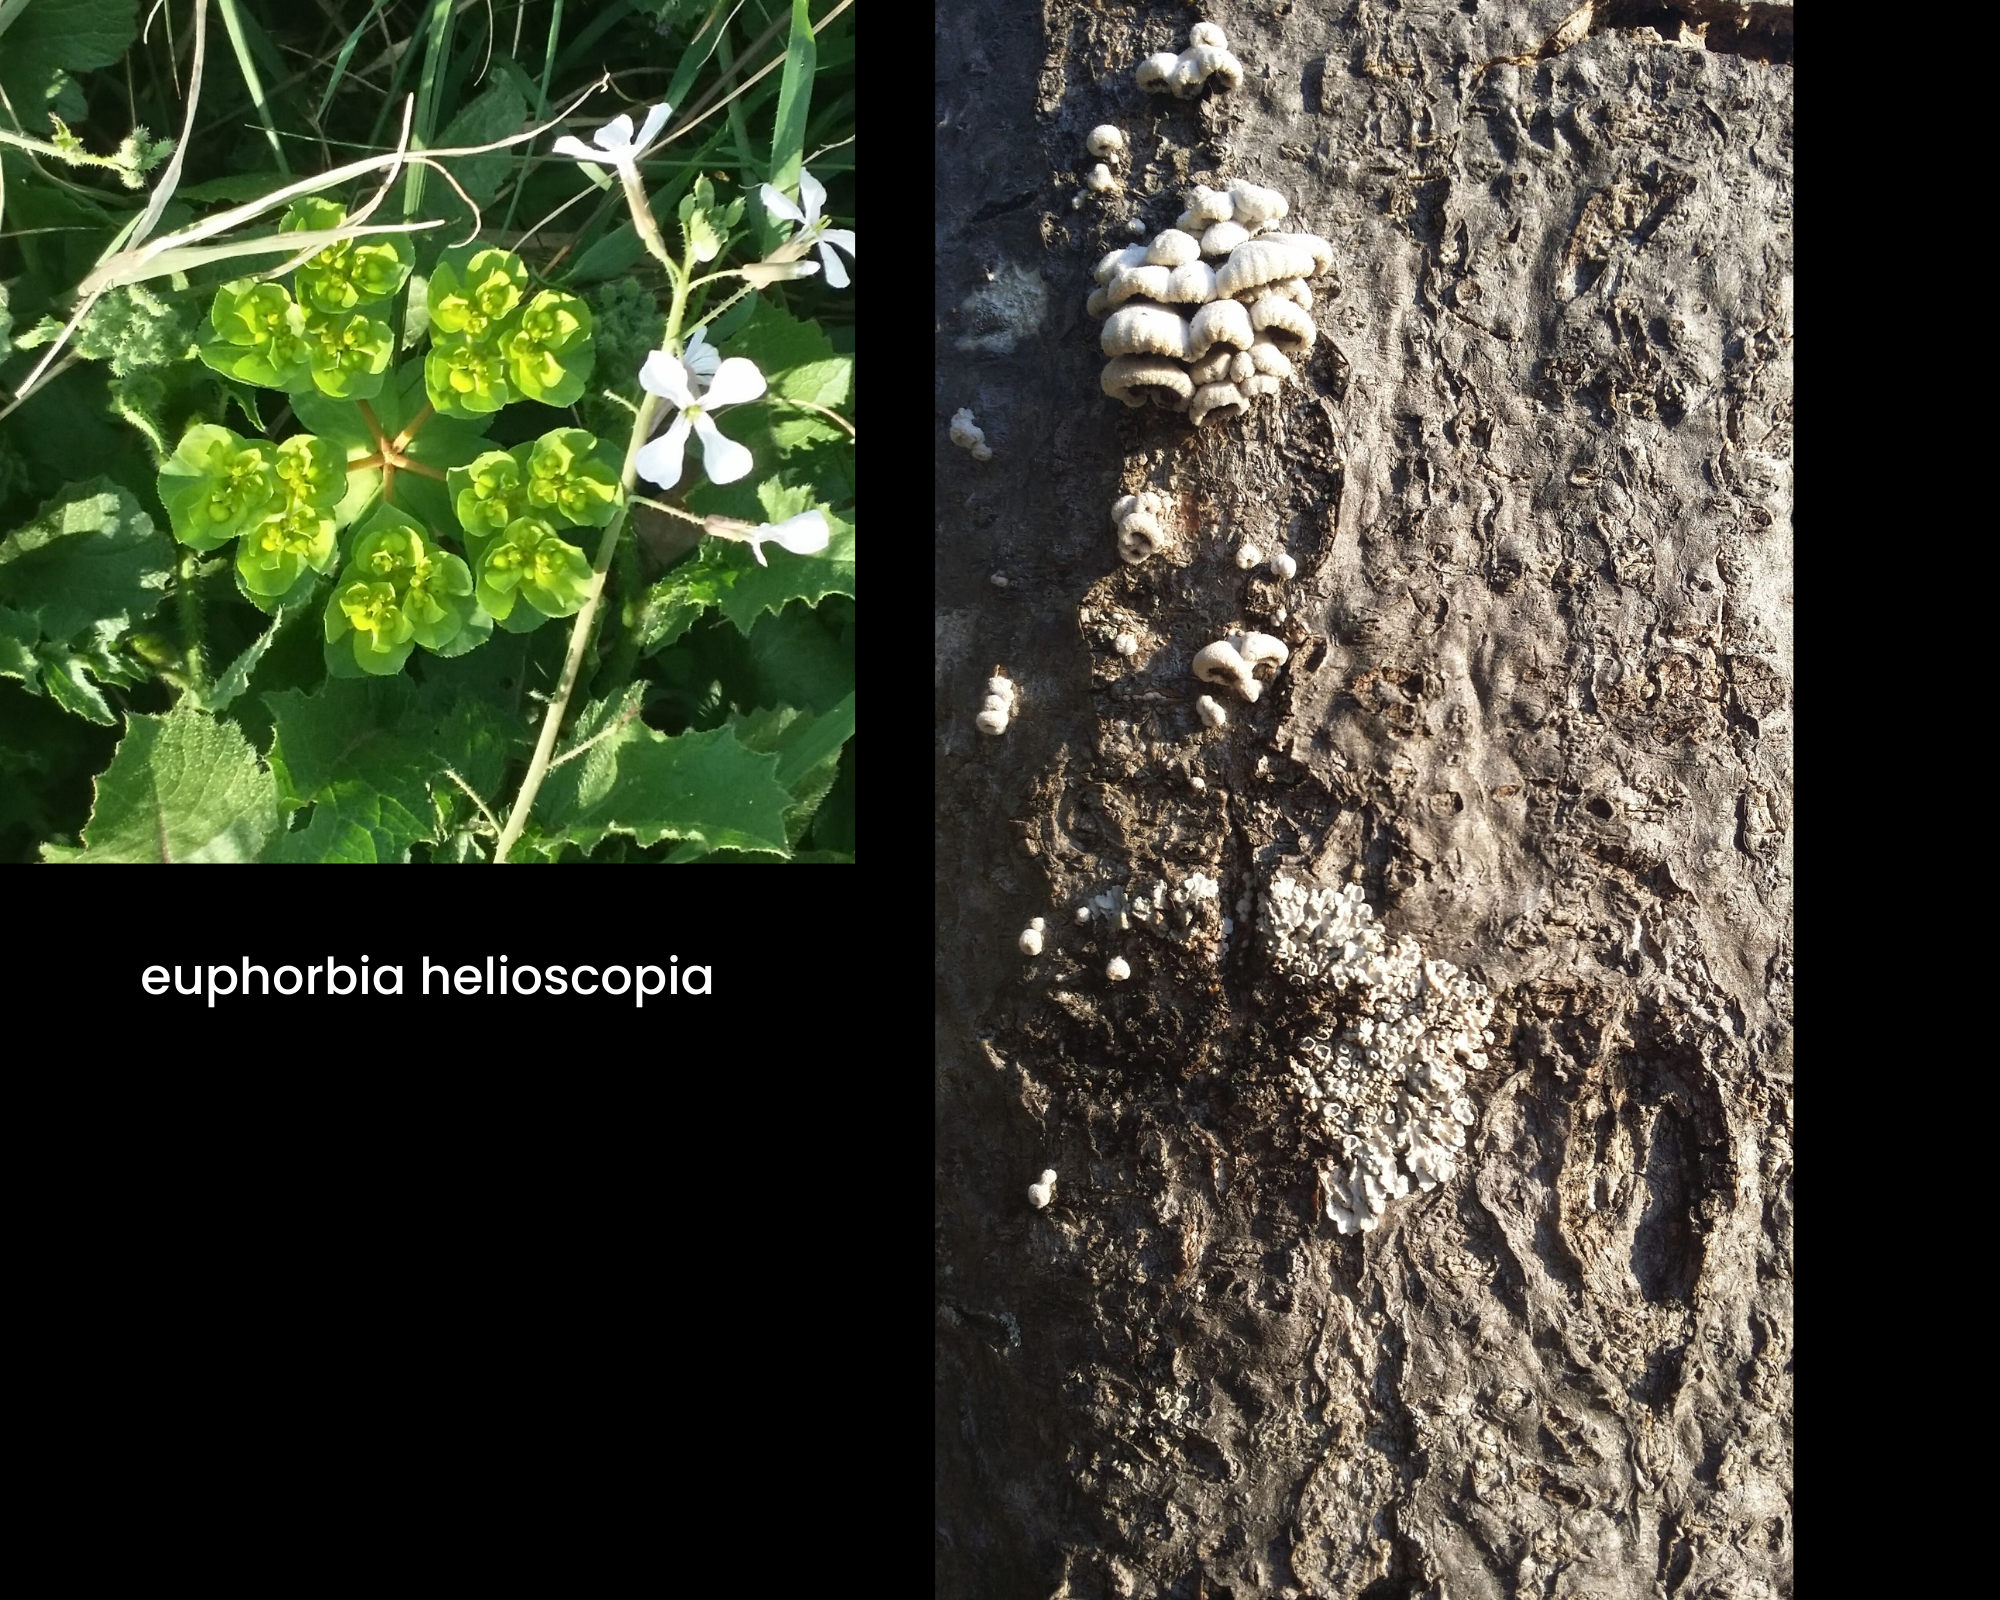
{"x": 1233, "y": 662}
{"x": 1210, "y": 315}
{"x": 1387, "y": 1085}
{"x": 967, "y": 434}
{"x": 999, "y": 708}
{"x": 1184, "y": 75}
{"x": 1040, "y": 1193}
{"x": 1137, "y": 519}
{"x": 1031, "y": 937}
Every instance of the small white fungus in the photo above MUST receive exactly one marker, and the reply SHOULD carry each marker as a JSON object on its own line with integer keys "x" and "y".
{"x": 1284, "y": 566}
{"x": 1247, "y": 556}
{"x": 1117, "y": 969}
{"x": 1106, "y": 141}
{"x": 1039, "y": 1194}
{"x": 999, "y": 707}
{"x": 1212, "y": 715}
{"x": 967, "y": 434}
{"x": 1126, "y": 644}
{"x": 1031, "y": 940}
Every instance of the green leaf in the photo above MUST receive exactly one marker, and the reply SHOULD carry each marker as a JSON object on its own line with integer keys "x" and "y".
{"x": 236, "y": 677}
{"x": 372, "y": 751}
{"x": 91, "y": 559}
{"x": 757, "y": 589}
{"x": 72, "y": 583}
{"x": 498, "y": 112}
{"x": 63, "y": 676}
{"x": 776, "y": 342}
{"x": 184, "y": 787}
{"x": 54, "y": 35}
{"x": 801, "y": 660}
{"x": 808, "y": 750}
{"x": 638, "y": 782}
{"x": 352, "y": 824}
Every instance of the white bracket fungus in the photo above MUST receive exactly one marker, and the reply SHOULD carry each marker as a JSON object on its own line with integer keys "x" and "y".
{"x": 1137, "y": 519}
{"x": 967, "y": 435}
{"x": 1232, "y": 662}
{"x": 1100, "y": 179}
{"x": 1200, "y": 338}
{"x": 1106, "y": 142}
{"x": 1198, "y": 783}
{"x": 1387, "y": 1086}
{"x": 999, "y": 708}
{"x": 1039, "y": 1194}
{"x": 1207, "y": 56}
{"x": 1248, "y": 555}
{"x": 1126, "y": 644}
{"x": 1082, "y": 914}
{"x": 1283, "y": 565}
{"x": 1031, "y": 937}
{"x": 1117, "y": 969}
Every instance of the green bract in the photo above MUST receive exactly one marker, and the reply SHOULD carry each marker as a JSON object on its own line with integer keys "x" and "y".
{"x": 311, "y": 471}
{"x": 271, "y": 556}
{"x": 488, "y": 493}
{"x": 549, "y": 356}
{"x": 258, "y": 335}
{"x": 530, "y": 562}
{"x": 350, "y": 354}
{"x": 567, "y": 482}
{"x": 464, "y": 380}
{"x": 351, "y": 273}
{"x": 215, "y": 485}
{"x": 475, "y": 304}
{"x": 396, "y": 592}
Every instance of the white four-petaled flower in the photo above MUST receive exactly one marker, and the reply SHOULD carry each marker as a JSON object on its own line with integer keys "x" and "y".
{"x": 723, "y": 459}
{"x": 812, "y": 231}
{"x": 614, "y": 145}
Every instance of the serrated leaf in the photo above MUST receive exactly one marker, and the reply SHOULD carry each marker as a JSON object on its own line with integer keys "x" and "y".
{"x": 696, "y": 785}
{"x": 236, "y": 677}
{"x": 184, "y": 787}
{"x": 372, "y": 750}
{"x": 808, "y": 750}
{"x": 352, "y": 824}
{"x": 778, "y": 342}
{"x": 756, "y": 589}
{"x": 63, "y": 676}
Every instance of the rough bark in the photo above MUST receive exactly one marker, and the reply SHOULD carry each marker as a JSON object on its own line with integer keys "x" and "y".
{"x": 1536, "y": 477}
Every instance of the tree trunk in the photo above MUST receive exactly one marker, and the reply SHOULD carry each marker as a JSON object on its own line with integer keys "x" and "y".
{"x": 1535, "y": 476}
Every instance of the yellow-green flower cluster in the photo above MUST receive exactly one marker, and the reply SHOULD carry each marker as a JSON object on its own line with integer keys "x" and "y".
{"x": 328, "y": 337}
{"x": 492, "y": 342}
{"x": 276, "y": 501}
{"x": 397, "y": 591}
{"x": 511, "y": 504}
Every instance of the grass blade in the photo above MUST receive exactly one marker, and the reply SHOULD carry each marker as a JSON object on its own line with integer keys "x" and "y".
{"x": 346, "y": 54}
{"x": 437, "y": 55}
{"x": 788, "y": 136}
{"x": 240, "y": 43}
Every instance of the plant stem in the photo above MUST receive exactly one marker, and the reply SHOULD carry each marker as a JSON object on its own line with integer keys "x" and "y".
{"x": 193, "y": 652}
{"x": 579, "y": 642}
{"x": 682, "y": 273}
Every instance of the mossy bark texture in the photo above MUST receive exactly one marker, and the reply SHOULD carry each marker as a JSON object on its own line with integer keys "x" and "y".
{"x": 1536, "y": 476}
